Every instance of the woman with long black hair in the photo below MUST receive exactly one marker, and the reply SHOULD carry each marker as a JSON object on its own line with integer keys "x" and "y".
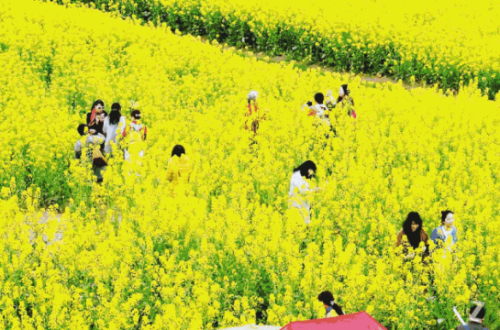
{"x": 96, "y": 116}
{"x": 326, "y": 297}
{"x": 345, "y": 101}
{"x": 299, "y": 189}
{"x": 113, "y": 127}
{"x": 412, "y": 233}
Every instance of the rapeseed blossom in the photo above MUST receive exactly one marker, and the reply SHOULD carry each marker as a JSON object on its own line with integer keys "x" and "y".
{"x": 228, "y": 249}
{"x": 446, "y": 42}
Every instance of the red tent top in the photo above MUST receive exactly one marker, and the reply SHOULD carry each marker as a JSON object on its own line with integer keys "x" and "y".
{"x": 355, "y": 321}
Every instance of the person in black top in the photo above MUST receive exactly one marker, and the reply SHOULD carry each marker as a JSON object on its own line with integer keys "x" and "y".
{"x": 96, "y": 116}
{"x": 328, "y": 301}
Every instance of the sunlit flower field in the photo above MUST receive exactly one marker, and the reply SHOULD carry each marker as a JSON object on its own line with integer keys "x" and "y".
{"x": 226, "y": 250}
{"x": 447, "y": 42}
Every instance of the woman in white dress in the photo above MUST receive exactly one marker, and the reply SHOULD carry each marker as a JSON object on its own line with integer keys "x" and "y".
{"x": 114, "y": 125}
{"x": 299, "y": 189}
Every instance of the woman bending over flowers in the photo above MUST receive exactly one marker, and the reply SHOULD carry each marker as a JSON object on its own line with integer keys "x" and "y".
{"x": 413, "y": 234}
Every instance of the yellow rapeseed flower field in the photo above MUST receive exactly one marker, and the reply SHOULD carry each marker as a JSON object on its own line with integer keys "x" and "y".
{"x": 447, "y": 42}
{"x": 136, "y": 253}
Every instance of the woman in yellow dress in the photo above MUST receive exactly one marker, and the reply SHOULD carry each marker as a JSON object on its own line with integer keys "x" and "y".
{"x": 179, "y": 169}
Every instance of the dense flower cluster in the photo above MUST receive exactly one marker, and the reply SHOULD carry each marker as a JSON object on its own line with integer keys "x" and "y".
{"x": 445, "y": 42}
{"x": 227, "y": 249}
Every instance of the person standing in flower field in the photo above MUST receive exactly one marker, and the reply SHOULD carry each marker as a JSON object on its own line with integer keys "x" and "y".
{"x": 344, "y": 101}
{"x": 91, "y": 143}
{"x": 299, "y": 189}
{"x": 179, "y": 168}
{"x": 96, "y": 116}
{"x": 135, "y": 135}
{"x": 252, "y": 111}
{"x": 326, "y": 297}
{"x": 412, "y": 234}
{"x": 318, "y": 109}
{"x": 476, "y": 319}
{"x": 446, "y": 234}
{"x": 113, "y": 127}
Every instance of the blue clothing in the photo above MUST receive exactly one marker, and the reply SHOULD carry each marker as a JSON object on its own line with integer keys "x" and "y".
{"x": 438, "y": 235}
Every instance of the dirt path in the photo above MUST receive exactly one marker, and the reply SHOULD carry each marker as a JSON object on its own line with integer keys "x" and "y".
{"x": 303, "y": 65}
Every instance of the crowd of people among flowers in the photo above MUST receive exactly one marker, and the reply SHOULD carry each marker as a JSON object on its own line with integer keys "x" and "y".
{"x": 111, "y": 135}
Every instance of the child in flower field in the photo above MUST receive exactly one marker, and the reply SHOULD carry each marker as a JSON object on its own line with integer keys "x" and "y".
{"x": 96, "y": 116}
{"x": 446, "y": 234}
{"x": 252, "y": 111}
{"x": 113, "y": 126}
{"x": 328, "y": 301}
{"x": 299, "y": 188}
{"x": 412, "y": 234}
{"x": 136, "y": 134}
{"x": 91, "y": 143}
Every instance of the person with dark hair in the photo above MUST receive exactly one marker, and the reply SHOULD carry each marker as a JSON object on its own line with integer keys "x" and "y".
{"x": 178, "y": 151}
{"x": 345, "y": 101}
{"x": 136, "y": 133}
{"x": 318, "y": 109}
{"x": 178, "y": 169}
{"x": 91, "y": 143}
{"x": 83, "y": 131}
{"x": 113, "y": 126}
{"x": 476, "y": 319}
{"x": 412, "y": 233}
{"x": 330, "y": 305}
{"x": 446, "y": 234}
{"x": 96, "y": 116}
{"x": 299, "y": 189}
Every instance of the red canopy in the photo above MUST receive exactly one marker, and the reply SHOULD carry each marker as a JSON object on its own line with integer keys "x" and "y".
{"x": 355, "y": 321}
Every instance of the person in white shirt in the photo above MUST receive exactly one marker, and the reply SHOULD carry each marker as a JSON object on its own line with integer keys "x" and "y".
{"x": 113, "y": 127}
{"x": 319, "y": 109}
{"x": 300, "y": 188}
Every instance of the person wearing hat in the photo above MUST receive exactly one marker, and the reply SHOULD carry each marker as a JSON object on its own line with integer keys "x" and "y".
{"x": 299, "y": 189}
{"x": 446, "y": 234}
{"x": 328, "y": 301}
{"x": 476, "y": 319}
{"x": 252, "y": 111}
